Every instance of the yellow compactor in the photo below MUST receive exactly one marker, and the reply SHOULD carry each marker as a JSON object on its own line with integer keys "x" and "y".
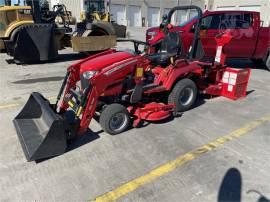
{"x": 33, "y": 33}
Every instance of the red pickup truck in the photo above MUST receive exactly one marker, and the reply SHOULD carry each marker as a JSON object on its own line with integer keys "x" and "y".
{"x": 250, "y": 39}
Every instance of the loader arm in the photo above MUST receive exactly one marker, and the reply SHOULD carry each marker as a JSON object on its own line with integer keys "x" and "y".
{"x": 73, "y": 72}
{"x": 88, "y": 97}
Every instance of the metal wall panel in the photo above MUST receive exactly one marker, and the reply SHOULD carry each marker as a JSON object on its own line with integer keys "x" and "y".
{"x": 118, "y": 13}
{"x": 75, "y": 6}
{"x": 153, "y": 16}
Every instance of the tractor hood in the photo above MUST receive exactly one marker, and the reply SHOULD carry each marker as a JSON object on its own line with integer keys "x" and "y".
{"x": 103, "y": 61}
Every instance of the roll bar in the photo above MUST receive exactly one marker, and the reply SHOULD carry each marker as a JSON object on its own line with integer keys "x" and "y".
{"x": 135, "y": 42}
{"x": 192, "y": 53}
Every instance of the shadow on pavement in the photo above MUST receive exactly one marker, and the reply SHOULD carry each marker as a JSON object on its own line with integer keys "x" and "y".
{"x": 39, "y": 80}
{"x": 68, "y": 57}
{"x": 86, "y": 138}
{"x": 231, "y": 186}
{"x": 62, "y": 57}
{"x": 242, "y": 63}
{"x": 262, "y": 197}
{"x": 250, "y": 92}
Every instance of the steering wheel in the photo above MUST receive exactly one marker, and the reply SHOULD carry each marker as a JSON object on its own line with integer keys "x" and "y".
{"x": 136, "y": 44}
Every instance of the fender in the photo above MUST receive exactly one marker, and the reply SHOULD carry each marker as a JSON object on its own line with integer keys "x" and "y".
{"x": 13, "y": 27}
{"x": 170, "y": 76}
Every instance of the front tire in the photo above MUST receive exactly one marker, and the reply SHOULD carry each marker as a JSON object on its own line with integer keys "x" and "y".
{"x": 114, "y": 119}
{"x": 183, "y": 95}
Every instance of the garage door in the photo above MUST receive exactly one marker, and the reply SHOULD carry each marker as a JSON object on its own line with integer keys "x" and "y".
{"x": 134, "y": 16}
{"x": 226, "y": 8}
{"x": 118, "y": 14}
{"x": 153, "y": 17}
{"x": 250, "y": 8}
{"x": 74, "y": 6}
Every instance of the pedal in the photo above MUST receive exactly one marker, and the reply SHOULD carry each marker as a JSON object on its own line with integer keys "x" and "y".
{"x": 125, "y": 98}
{"x": 155, "y": 89}
{"x": 146, "y": 87}
{"x": 150, "y": 86}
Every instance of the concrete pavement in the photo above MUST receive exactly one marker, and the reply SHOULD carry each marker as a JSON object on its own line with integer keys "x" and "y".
{"x": 98, "y": 163}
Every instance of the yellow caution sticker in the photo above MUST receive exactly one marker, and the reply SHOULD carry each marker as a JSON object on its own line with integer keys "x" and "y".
{"x": 71, "y": 104}
{"x": 139, "y": 72}
{"x": 79, "y": 111}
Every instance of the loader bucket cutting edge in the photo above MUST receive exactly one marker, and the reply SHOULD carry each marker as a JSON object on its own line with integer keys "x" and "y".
{"x": 41, "y": 131}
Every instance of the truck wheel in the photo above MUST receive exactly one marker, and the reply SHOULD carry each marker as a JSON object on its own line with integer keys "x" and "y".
{"x": 183, "y": 95}
{"x": 267, "y": 64}
{"x": 257, "y": 61}
{"x": 114, "y": 119}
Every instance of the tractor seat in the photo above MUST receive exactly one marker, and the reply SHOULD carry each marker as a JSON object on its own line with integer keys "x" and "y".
{"x": 170, "y": 46}
{"x": 162, "y": 59}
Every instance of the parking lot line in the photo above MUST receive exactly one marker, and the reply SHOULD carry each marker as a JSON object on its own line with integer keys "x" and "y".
{"x": 178, "y": 162}
{"x": 9, "y": 106}
{"x": 13, "y": 105}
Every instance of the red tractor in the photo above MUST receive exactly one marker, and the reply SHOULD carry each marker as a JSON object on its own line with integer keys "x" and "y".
{"x": 125, "y": 87}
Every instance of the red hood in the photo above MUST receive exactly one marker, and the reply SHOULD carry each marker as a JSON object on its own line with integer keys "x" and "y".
{"x": 98, "y": 63}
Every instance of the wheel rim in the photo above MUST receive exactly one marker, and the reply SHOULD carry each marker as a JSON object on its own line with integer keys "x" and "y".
{"x": 268, "y": 63}
{"x": 186, "y": 96}
{"x": 118, "y": 122}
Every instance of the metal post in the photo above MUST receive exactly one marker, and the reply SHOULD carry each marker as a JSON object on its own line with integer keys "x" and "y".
{"x": 177, "y": 13}
{"x": 189, "y": 11}
{"x": 160, "y": 17}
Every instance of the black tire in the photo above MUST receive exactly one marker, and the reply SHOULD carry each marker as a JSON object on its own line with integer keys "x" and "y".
{"x": 267, "y": 63}
{"x": 120, "y": 30}
{"x": 183, "y": 95}
{"x": 102, "y": 28}
{"x": 111, "y": 112}
{"x": 257, "y": 61}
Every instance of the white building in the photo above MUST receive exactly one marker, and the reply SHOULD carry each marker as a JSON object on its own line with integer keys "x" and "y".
{"x": 139, "y": 13}
{"x": 148, "y": 12}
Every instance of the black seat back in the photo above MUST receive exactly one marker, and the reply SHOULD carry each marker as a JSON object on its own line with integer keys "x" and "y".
{"x": 199, "y": 54}
{"x": 172, "y": 44}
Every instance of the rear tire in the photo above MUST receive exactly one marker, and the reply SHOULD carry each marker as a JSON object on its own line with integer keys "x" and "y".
{"x": 257, "y": 61}
{"x": 267, "y": 63}
{"x": 183, "y": 95}
{"x": 114, "y": 119}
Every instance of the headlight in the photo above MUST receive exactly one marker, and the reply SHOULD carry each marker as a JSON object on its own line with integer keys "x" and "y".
{"x": 151, "y": 35}
{"x": 89, "y": 74}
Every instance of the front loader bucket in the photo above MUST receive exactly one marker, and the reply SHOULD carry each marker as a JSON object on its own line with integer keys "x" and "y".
{"x": 40, "y": 129}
